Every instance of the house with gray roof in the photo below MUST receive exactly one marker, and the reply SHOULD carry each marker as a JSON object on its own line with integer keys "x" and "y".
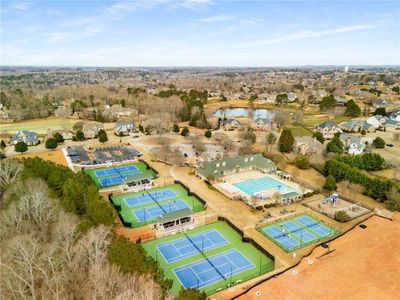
{"x": 354, "y": 144}
{"x": 262, "y": 124}
{"x": 124, "y": 127}
{"x": 91, "y": 129}
{"x": 210, "y": 170}
{"x": 307, "y": 145}
{"x": 26, "y": 136}
{"x": 395, "y": 115}
{"x": 328, "y": 129}
{"x": 381, "y": 103}
{"x": 230, "y": 124}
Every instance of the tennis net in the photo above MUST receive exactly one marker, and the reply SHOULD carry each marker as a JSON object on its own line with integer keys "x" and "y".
{"x": 156, "y": 201}
{"x": 209, "y": 261}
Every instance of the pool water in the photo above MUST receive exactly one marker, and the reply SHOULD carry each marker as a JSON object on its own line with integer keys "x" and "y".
{"x": 252, "y": 186}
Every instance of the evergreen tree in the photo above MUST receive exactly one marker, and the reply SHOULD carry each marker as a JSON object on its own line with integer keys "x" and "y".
{"x": 79, "y": 136}
{"x": 2, "y": 144}
{"x": 208, "y": 133}
{"x": 175, "y": 128}
{"x": 352, "y": 109}
{"x": 21, "y": 147}
{"x": 335, "y": 146}
{"x": 330, "y": 183}
{"x": 327, "y": 103}
{"x": 103, "y": 137}
{"x": 286, "y": 141}
{"x": 185, "y": 131}
{"x": 51, "y": 144}
{"x": 319, "y": 136}
{"x": 58, "y": 137}
{"x": 380, "y": 111}
{"x": 378, "y": 142}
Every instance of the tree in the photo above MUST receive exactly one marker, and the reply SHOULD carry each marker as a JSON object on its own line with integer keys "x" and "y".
{"x": 21, "y": 147}
{"x": 396, "y": 89}
{"x": 330, "y": 183}
{"x": 286, "y": 141}
{"x": 175, "y": 128}
{"x": 380, "y": 111}
{"x": 102, "y": 136}
{"x": 302, "y": 162}
{"x": 281, "y": 98}
{"x": 141, "y": 128}
{"x": 223, "y": 98}
{"x": 327, "y": 102}
{"x": 270, "y": 140}
{"x": 363, "y": 132}
{"x": 352, "y": 109}
{"x": 79, "y": 136}
{"x": 2, "y": 144}
{"x": 191, "y": 294}
{"x": 319, "y": 136}
{"x": 248, "y": 137}
{"x": 208, "y": 134}
{"x": 185, "y": 131}
{"x": 335, "y": 146}
{"x": 393, "y": 198}
{"x": 378, "y": 142}
{"x": 51, "y": 144}
{"x": 58, "y": 137}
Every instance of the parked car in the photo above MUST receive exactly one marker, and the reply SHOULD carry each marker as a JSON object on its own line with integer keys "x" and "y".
{"x": 389, "y": 145}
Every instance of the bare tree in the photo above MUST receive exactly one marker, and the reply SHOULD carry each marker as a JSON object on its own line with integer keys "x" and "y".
{"x": 9, "y": 172}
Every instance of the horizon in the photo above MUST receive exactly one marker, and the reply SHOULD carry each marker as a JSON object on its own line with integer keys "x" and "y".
{"x": 199, "y": 33}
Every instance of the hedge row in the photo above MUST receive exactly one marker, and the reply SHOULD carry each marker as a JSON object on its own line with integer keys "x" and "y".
{"x": 367, "y": 161}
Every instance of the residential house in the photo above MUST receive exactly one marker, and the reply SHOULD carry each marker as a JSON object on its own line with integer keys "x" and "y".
{"x": 66, "y": 134}
{"x": 307, "y": 145}
{"x": 117, "y": 111}
{"x": 351, "y": 126}
{"x": 381, "y": 103}
{"x": 230, "y": 124}
{"x": 124, "y": 127}
{"x": 26, "y": 136}
{"x": 395, "y": 115}
{"x": 354, "y": 144}
{"x": 392, "y": 124}
{"x": 291, "y": 97}
{"x": 328, "y": 129}
{"x": 377, "y": 121}
{"x": 262, "y": 124}
{"x": 230, "y": 165}
{"x": 340, "y": 101}
{"x": 90, "y": 130}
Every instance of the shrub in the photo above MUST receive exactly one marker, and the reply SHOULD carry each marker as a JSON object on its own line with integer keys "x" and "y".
{"x": 259, "y": 207}
{"x": 79, "y": 136}
{"x": 342, "y": 216}
{"x": 378, "y": 142}
{"x": 319, "y": 136}
{"x": 208, "y": 134}
{"x": 175, "y": 128}
{"x": 2, "y": 144}
{"x": 191, "y": 294}
{"x": 185, "y": 131}
{"x": 302, "y": 162}
{"x": 330, "y": 183}
{"x": 58, "y": 137}
{"x": 103, "y": 137}
{"x": 335, "y": 146}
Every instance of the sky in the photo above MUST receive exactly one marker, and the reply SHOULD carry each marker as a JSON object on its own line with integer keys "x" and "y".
{"x": 199, "y": 33}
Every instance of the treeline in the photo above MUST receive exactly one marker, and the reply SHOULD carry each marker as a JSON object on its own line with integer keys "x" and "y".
{"x": 193, "y": 109}
{"x": 373, "y": 187}
{"x": 367, "y": 161}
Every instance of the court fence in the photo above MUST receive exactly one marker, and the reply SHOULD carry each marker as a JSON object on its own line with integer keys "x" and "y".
{"x": 190, "y": 193}
{"x": 333, "y": 233}
{"x": 149, "y": 167}
{"x": 265, "y": 268}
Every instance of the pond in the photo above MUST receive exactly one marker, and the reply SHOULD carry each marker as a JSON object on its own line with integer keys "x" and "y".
{"x": 237, "y": 112}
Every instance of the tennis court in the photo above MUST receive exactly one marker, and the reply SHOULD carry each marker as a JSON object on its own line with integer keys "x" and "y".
{"x": 153, "y": 212}
{"x": 144, "y": 207}
{"x": 210, "y": 257}
{"x": 149, "y": 197}
{"x": 212, "y": 269}
{"x": 297, "y": 232}
{"x": 112, "y": 176}
{"x": 191, "y": 244}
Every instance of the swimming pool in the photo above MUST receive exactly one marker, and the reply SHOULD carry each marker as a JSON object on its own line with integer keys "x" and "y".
{"x": 252, "y": 186}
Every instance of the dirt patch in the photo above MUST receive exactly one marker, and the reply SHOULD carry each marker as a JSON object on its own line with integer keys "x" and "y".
{"x": 56, "y": 156}
{"x": 364, "y": 264}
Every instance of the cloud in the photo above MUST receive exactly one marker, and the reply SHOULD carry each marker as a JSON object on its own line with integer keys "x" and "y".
{"x": 306, "y": 34}
{"x": 215, "y": 19}
{"x": 19, "y": 5}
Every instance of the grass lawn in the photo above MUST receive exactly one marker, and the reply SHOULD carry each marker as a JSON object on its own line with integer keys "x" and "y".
{"x": 40, "y": 126}
{"x": 300, "y": 131}
{"x": 260, "y": 263}
{"x": 311, "y": 122}
{"x": 140, "y": 166}
{"x": 179, "y": 193}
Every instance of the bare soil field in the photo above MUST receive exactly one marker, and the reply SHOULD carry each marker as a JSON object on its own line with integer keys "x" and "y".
{"x": 362, "y": 264}
{"x": 388, "y": 173}
{"x": 56, "y": 156}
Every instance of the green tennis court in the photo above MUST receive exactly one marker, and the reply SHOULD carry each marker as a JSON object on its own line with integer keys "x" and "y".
{"x": 144, "y": 207}
{"x": 115, "y": 175}
{"x": 297, "y": 232}
{"x": 211, "y": 258}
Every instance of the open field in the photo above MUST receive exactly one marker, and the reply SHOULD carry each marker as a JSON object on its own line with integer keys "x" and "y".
{"x": 300, "y": 130}
{"x": 363, "y": 264}
{"x": 311, "y": 121}
{"x": 56, "y": 156}
{"x": 40, "y": 126}
{"x": 223, "y": 239}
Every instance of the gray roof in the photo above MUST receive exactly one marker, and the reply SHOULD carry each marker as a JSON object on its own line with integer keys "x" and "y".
{"x": 138, "y": 177}
{"x": 26, "y": 135}
{"x": 171, "y": 216}
{"x": 229, "y": 121}
{"x": 327, "y": 124}
{"x": 344, "y": 137}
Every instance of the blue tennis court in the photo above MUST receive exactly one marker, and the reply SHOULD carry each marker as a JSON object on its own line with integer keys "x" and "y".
{"x": 117, "y": 179}
{"x": 305, "y": 236}
{"x": 261, "y": 184}
{"x": 290, "y": 226}
{"x": 155, "y": 211}
{"x": 217, "y": 267}
{"x": 187, "y": 246}
{"x": 321, "y": 230}
{"x": 146, "y": 198}
{"x": 114, "y": 171}
{"x": 306, "y": 221}
{"x": 282, "y": 238}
